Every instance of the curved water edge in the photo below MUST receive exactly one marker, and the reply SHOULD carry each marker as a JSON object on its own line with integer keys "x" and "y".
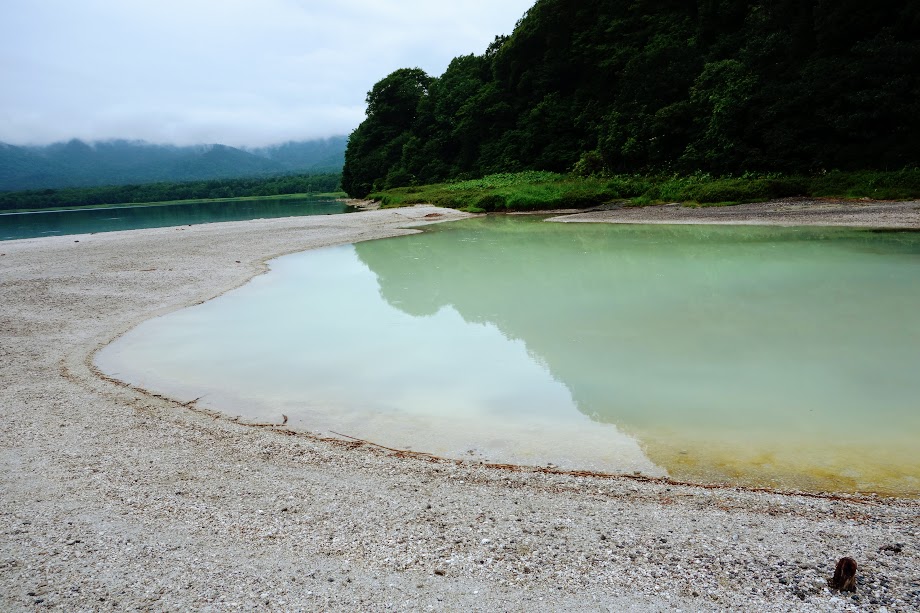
{"x": 559, "y": 364}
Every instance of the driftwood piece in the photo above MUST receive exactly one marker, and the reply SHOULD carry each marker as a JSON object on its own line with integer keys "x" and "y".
{"x": 845, "y": 575}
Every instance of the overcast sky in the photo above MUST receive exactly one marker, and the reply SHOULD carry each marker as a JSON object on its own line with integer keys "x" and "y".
{"x": 237, "y": 72}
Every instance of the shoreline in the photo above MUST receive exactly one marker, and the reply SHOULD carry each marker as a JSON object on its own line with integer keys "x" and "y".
{"x": 786, "y": 212}
{"x": 120, "y": 505}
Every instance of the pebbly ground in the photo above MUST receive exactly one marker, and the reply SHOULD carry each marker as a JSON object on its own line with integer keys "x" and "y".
{"x": 787, "y": 212}
{"x": 115, "y": 499}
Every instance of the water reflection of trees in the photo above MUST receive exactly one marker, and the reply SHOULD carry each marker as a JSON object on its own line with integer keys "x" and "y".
{"x": 540, "y": 283}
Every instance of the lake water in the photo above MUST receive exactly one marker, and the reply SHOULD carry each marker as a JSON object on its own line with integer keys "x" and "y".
{"x": 109, "y": 219}
{"x": 781, "y": 357}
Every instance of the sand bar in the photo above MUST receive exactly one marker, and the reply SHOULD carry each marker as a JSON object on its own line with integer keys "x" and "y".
{"x": 114, "y": 499}
{"x": 785, "y": 212}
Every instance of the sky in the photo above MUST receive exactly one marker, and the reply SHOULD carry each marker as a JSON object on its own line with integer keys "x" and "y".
{"x": 235, "y": 72}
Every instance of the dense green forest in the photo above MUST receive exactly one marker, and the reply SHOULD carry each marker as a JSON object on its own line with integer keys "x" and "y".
{"x": 119, "y": 162}
{"x": 635, "y": 86}
{"x": 164, "y": 192}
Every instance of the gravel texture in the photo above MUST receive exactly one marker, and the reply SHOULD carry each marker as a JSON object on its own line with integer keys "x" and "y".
{"x": 787, "y": 212}
{"x": 115, "y": 499}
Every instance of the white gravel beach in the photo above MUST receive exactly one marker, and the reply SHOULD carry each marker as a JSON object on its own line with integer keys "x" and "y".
{"x": 115, "y": 499}
{"x": 785, "y": 212}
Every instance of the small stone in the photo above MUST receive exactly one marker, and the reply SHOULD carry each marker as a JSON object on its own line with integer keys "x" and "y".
{"x": 844, "y": 578}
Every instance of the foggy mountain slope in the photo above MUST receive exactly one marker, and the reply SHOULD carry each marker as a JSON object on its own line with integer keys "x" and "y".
{"x": 119, "y": 162}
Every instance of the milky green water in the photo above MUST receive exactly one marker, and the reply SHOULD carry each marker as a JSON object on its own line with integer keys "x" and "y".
{"x": 781, "y": 357}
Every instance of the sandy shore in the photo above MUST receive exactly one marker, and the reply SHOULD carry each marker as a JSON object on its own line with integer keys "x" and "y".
{"x": 112, "y": 499}
{"x": 787, "y": 212}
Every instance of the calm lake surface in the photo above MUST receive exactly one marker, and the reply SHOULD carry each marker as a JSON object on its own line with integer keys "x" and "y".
{"x": 783, "y": 357}
{"x": 109, "y": 219}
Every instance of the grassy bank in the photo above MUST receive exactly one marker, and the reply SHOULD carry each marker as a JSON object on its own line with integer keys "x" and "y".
{"x": 534, "y": 190}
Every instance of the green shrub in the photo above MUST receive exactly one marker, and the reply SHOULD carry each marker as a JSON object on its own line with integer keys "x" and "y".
{"x": 591, "y": 164}
{"x": 534, "y": 190}
{"x": 729, "y": 190}
{"x": 881, "y": 185}
{"x": 506, "y": 179}
{"x": 525, "y": 202}
{"x": 491, "y": 202}
{"x": 787, "y": 187}
{"x": 627, "y": 186}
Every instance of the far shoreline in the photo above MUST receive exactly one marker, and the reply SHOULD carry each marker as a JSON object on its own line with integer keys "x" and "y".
{"x": 127, "y": 205}
{"x": 799, "y": 211}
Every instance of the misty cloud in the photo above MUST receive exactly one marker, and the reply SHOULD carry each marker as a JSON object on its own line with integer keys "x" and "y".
{"x": 238, "y": 72}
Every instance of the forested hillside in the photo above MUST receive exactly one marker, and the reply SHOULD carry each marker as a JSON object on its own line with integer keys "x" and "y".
{"x": 264, "y": 187}
{"x": 721, "y": 86}
{"x": 79, "y": 164}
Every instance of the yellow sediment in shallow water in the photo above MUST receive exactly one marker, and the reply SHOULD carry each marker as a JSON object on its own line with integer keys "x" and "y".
{"x": 789, "y": 465}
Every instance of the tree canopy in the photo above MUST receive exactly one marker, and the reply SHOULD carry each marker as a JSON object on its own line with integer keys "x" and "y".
{"x": 721, "y": 86}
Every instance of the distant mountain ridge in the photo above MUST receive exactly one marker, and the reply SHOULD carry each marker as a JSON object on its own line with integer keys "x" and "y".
{"x": 120, "y": 162}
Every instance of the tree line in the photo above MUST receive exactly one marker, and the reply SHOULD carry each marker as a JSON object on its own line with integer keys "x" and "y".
{"x": 164, "y": 192}
{"x": 625, "y": 86}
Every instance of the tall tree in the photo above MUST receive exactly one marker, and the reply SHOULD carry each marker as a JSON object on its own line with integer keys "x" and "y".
{"x": 649, "y": 85}
{"x": 375, "y": 147}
